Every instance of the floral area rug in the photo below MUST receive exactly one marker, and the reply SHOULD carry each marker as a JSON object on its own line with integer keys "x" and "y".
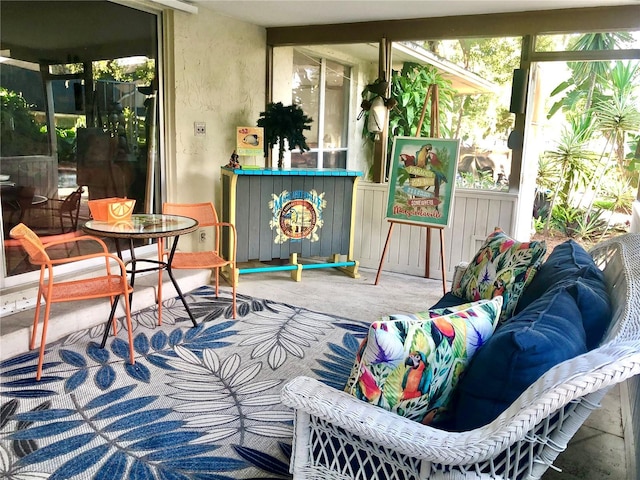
{"x": 199, "y": 403}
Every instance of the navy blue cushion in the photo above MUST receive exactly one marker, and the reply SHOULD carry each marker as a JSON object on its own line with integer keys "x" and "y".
{"x": 544, "y": 334}
{"x": 570, "y": 267}
{"x": 448, "y": 300}
{"x": 568, "y": 260}
{"x": 590, "y": 294}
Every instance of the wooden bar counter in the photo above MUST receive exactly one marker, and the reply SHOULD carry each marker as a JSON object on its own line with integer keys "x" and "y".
{"x": 290, "y": 213}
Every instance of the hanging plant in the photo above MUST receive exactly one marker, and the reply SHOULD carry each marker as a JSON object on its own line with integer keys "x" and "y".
{"x": 282, "y": 123}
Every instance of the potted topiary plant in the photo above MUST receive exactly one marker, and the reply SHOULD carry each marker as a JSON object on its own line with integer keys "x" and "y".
{"x": 282, "y": 123}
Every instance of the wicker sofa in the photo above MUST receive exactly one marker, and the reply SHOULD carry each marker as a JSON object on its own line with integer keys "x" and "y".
{"x": 340, "y": 437}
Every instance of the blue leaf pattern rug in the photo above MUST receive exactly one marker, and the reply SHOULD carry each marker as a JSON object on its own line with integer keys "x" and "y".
{"x": 199, "y": 403}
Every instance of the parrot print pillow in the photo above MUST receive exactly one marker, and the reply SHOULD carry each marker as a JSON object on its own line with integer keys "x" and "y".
{"x": 502, "y": 266}
{"x": 410, "y": 364}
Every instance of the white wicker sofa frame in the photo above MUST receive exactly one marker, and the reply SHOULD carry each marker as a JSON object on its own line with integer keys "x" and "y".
{"x": 339, "y": 437}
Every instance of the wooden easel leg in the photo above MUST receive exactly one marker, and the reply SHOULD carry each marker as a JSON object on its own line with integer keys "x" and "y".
{"x": 427, "y": 270}
{"x": 384, "y": 251}
{"x": 444, "y": 267}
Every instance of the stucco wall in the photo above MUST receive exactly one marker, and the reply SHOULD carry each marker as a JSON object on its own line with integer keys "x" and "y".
{"x": 219, "y": 66}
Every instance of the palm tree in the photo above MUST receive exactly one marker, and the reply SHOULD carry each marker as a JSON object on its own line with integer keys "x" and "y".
{"x": 616, "y": 116}
{"x": 282, "y": 123}
{"x": 586, "y": 75}
{"x": 572, "y": 155}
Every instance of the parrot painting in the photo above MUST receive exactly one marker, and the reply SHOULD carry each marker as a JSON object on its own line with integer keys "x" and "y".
{"x": 427, "y": 158}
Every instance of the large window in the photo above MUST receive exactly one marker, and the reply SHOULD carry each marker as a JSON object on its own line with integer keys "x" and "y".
{"x": 321, "y": 88}
{"x": 78, "y": 110}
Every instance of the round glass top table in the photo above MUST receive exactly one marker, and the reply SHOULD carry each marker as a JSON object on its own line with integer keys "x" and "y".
{"x": 146, "y": 226}
{"x": 142, "y": 226}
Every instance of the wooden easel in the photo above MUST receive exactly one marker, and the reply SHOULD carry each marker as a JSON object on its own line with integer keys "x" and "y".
{"x": 434, "y": 132}
{"x": 392, "y": 223}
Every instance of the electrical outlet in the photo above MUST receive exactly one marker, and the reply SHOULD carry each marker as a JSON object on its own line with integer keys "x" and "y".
{"x": 203, "y": 237}
{"x": 200, "y": 128}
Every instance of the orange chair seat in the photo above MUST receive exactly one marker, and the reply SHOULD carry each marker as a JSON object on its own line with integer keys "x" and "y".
{"x": 197, "y": 260}
{"x": 99, "y": 287}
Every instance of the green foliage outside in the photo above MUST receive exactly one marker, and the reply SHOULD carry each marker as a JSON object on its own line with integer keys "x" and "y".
{"x": 481, "y": 180}
{"x": 409, "y": 88}
{"x": 592, "y": 170}
{"x": 116, "y": 70}
{"x": 66, "y": 140}
{"x": 20, "y": 133}
{"x": 472, "y": 118}
{"x": 480, "y": 116}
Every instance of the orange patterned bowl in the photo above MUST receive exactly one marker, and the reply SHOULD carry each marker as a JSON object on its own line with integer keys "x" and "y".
{"x": 111, "y": 209}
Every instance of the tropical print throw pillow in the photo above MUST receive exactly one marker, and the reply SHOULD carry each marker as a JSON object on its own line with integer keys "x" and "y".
{"x": 502, "y": 267}
{"x": 410, "y": 364}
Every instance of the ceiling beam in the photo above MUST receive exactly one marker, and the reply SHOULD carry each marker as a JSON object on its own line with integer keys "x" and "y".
{"x": 578, "y": 20}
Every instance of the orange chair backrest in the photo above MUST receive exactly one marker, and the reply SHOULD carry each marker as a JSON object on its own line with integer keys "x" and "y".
{"x": 31, "y": 243}
{"x": 204, "y": 213}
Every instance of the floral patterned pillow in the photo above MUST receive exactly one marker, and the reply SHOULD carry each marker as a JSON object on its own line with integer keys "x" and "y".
{"x": 410, "y": 364}
{"x": 502, "y": 266}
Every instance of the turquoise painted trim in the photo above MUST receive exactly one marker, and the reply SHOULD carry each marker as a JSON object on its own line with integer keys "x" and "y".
{"x": 305, "y": 172}
{"x": 311, "y": 266}
{"x": 280, "y": 268}
{"x": 307, "y": 266}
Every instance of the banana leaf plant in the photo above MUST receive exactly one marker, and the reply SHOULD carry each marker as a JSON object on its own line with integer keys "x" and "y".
{"x": 282, "y": 123}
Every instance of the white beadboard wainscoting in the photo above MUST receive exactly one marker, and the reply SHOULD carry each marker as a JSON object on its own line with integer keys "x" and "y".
{"x": 475, "y": 214}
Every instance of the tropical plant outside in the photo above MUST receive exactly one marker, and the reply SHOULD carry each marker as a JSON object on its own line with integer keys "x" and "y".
{"x": 481, "y": 180}
{"x": 591, "y": 163}
{"x": 409, "y": 88}
{"x": 19, "y": 129}
{"x": 22, "y": 133}
{"x": 474, "y": 118}
{"x": 593, "y": 157}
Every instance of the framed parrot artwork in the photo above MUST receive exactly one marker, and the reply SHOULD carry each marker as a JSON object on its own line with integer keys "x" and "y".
{"x": 422, "y": 180}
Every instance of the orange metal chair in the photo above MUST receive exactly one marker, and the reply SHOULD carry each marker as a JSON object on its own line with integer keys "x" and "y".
{"x": 205, "y": 214}
{"x": 107, "y": 284}
{"x": 16, "y": 256}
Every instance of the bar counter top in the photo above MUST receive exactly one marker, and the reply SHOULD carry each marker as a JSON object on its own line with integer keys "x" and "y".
{"x": 306, "y": 172}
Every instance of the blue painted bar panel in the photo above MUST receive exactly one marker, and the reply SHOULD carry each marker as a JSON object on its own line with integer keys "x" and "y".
{"x": 259, "y": 227}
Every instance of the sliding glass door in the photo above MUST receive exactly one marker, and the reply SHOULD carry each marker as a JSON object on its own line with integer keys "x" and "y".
{"x": 79, "y": 103}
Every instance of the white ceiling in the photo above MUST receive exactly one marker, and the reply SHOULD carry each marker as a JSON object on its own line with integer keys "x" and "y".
{"x": 282, "y": 13}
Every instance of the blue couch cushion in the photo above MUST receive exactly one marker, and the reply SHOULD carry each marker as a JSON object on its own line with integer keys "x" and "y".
{"x": 546, "y": 333}
{"x": 567, "y": 260}
{"x": 569, "y": 266}
{"x": 448, "y": 300}
{"x": 590, "y": 294}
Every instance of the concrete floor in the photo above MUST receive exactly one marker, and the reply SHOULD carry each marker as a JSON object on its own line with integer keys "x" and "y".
{"x": 597, "y": 452}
